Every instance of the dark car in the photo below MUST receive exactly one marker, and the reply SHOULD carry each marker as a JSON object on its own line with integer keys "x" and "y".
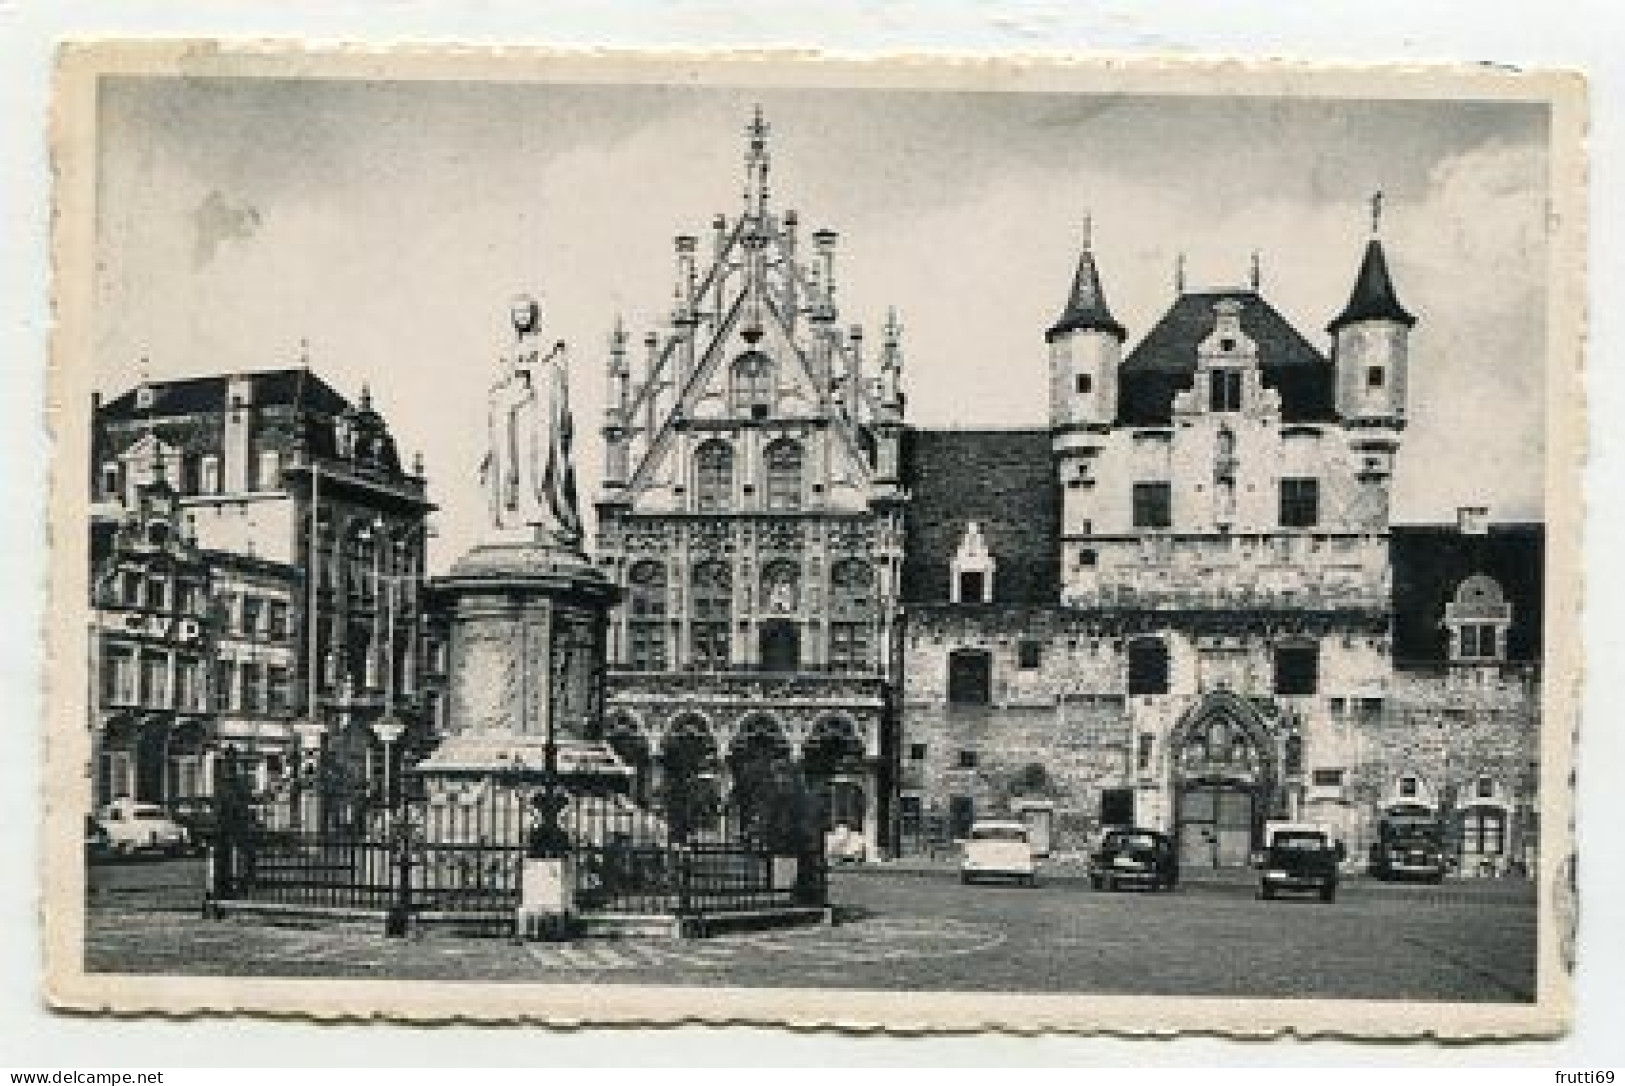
{"x": 1300, "y": 858}
{"x": 1409, "y": 852}
{"x": 97, "y": 842}
{"x": 199, "y": 817}
{"x": 1134, "y": 857}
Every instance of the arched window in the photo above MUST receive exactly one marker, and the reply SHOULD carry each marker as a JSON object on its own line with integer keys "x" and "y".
{"x": 851, "y": 615}
{"x": 784, "y": 474}
{"x": 1147, "y": 666}
{"x": 646, "y": 609}
{"x": 713, "y": 476}
{"x": 712, "y": 615}
{"x": 752, "y": 385}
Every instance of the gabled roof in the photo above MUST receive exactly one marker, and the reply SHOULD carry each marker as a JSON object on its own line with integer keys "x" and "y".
{"x": 1003, "y": 480}
{"x": 1373, "y": 297}
{"x": 1164, "y": 362}
{"x": 1086, "y": 306}
{"x": 197, "y": 395}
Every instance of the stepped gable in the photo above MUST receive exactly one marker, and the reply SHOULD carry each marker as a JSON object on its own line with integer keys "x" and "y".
{"x": 1004, "y": 481}
{"x": 1164, "y": 362}
{"x": 1430, "y": 561}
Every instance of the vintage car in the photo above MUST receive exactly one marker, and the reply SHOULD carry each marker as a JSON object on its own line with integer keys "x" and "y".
{"x": 141, "y": 827}
{"x": 843, "y": 845}
{"x": 1134, "y": 857}
{"x": 1298, "y": 857}
{"x": 998, "y": 850}
{"x": 1408, "y": 851}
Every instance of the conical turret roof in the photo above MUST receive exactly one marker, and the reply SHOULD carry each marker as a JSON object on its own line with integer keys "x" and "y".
{"x": 1086, "y": 306}
{"x": 1373, "y": 297}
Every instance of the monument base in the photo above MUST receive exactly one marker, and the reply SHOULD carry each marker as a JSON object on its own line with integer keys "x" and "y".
{"x": 546, "y": 897}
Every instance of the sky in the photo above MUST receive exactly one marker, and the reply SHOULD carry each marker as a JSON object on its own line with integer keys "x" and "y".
{"x": 380, "y": 229}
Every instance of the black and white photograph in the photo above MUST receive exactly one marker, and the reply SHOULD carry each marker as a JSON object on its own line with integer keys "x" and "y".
{"x": 938, "y": 545}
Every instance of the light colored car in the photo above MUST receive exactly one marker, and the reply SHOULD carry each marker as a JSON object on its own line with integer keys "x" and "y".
{"x": 141, "y": 827}
{"x": 843, "y": 845}
{"x": 998, "y": 850}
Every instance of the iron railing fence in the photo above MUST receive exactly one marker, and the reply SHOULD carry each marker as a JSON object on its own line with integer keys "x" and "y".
{"x": 458, "y": 858}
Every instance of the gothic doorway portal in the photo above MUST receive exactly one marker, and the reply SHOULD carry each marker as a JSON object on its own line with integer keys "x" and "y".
{"x": 781, "y": 646}
{"x": 1224, "y": 769}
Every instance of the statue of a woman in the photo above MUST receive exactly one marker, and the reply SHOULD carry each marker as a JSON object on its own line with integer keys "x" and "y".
{"x": 528, "y": 473}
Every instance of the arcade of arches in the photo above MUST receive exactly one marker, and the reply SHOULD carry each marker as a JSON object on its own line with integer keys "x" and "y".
{"x": 701, "y": 770}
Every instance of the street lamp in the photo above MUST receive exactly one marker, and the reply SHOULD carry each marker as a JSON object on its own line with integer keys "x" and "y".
{"x": 388, "y": 729}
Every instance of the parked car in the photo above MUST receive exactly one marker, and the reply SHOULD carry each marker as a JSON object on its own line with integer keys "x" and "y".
{"x": 842, "y": 845}
{"x": 199, "y": 817}
{"x": 141, "y": 827}
{"x": 97, "y": 843}
{"x": 1409, "y": 852}
{"x": 998, "y": 850}
{"x": 1134, "y": 857}
{"x": 1299, "y": 857}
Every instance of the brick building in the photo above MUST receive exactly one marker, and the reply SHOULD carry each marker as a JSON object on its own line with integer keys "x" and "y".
{"x": 1181, "y": 604}
{"x": 312, "y": 535}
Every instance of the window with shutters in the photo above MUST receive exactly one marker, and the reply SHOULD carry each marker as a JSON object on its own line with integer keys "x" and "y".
{"x": 712, "y": 616}
{"x": 646, "y": 616}
{"x": 784, "y": 474}
{"x": 852, "y": 615}
{"x": 713, "y": 477}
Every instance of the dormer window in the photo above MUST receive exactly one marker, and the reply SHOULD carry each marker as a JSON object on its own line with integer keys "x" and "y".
{"x": 1224, "y": 388}
{"x": 972, "y": 568}
{"x": 1478, "y": 619}
{"x": 1085, "y": 384}
{"x": 145, "y": 398}
{"x": 209, "y": 475}
{"x": 1375, "y": 377}
{"x": 110, "y": 480}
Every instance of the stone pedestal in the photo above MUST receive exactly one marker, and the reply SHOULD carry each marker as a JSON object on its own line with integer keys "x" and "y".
{"x": 527, "y": 660}
{"x": 526, "y": 689}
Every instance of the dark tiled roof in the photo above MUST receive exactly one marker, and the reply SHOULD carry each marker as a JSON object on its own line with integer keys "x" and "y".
{"x": 1373, "y": 297}
{"x": 1086, "y": 306}
{"x": 1001, "y": 479}
{"x": 1430, "y": 562}
{"x": 1164, "y": 362}
{"x": 195, "y": 395}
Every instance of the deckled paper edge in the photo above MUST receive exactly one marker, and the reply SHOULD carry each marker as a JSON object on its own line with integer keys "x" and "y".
{"x": 66, "y": 741}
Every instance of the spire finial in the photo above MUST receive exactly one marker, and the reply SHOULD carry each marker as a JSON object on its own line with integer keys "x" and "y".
{"x": 1088, "y": 231}
{"x": 1255, "y": 274}
{"x": 304, "y": 352}
{"x": 893, "y": 329}
{"x": 1179, "y": 274}
{"x": 756, "y": 162}
{"x": 366, "y": 396}
{"x": 1376, "y": 213}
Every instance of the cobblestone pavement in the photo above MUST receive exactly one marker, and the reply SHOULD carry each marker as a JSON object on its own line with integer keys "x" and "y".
{"x": 922, "y": 929}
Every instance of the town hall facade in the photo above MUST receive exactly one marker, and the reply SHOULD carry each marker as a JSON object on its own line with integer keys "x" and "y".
{"x": 1181, "y": 604}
